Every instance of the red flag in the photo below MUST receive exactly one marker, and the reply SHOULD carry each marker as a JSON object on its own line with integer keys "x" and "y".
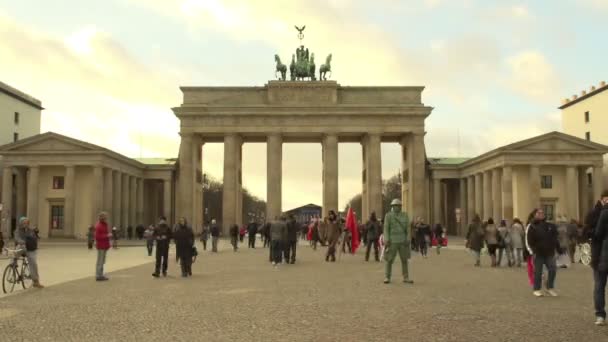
{"x": 351, "y": 225}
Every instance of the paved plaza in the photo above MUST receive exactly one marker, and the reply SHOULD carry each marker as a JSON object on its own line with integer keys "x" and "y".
{"x": 240, "y": 297}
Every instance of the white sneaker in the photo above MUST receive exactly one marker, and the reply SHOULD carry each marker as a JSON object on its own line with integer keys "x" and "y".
{"x": 274, "y": 263}
{"x": 552, "y": 293}
{"x": 538, "y": 293}
{"x": 600, "y": 321}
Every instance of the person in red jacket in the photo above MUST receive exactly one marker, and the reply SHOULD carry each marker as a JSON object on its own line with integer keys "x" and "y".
{"x": 102, "y": 238}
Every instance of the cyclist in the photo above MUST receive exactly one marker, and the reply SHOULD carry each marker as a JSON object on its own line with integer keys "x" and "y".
{"x": 26, "y": 238}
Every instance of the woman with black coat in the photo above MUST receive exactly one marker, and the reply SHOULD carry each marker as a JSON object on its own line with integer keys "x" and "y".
{"x": 184, "y": 242}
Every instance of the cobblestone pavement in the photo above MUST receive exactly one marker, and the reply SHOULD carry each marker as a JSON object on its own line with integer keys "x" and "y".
{"x": 240, "y": 297}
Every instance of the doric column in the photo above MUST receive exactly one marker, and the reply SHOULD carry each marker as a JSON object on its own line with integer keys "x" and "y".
{"x": 487, "y": 195}
{"x": 534, "y": 186}
{"x": 96, "y": 196}
{"x": 374, "y": 174}
{"x": 230, "y": 197}
{"x": 132, "y": 200}
{"x": 166, "y": 198}
{"x": 274, "y": 172}
{"x": 598, "y": 182}
{"x": 571, "y": 187}
{"x": 496, "y": 195}
{"x": 364, "y": 192}
{"x": 7, "y": 201}
{"x": 21, "y": 192}
{"x": 32, "y": 195}
{"x": 417, "y": 171}
{"x": 437, "y": 215}
{"x": 330, "y": 173}
{"x": 464, "y": 212}
{"x": 186, "y": 177}
{"x": 139, "y": 218}
{"x": 108, "y": 193}
{"x": 68, "y": 205}
{"x": 479, "y": 197}
{"x": 583, "y": 192}
{"x": 404, "y": 179}
{"x": 116, "y": 219}
{"x": 507, "y": 193}
{"x": 471, "y": 212}
{"x": 124, "y": 216}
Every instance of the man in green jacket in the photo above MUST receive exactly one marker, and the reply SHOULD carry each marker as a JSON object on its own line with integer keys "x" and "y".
{"x": 396, "y": 240}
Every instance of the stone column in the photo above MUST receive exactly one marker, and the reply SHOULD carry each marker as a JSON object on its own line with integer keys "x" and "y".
{"x": 404, "y": 180}
{"x": 364, "y": 192}
{"x": 571, "y": 187}
{"x": 166, "y": 198}
{"x": 464, "y": 212}
{"x": 374, "y": 174}
{"x": 471, "y": 212}
{"x": 534, "y": 186}
{"x": 437, "y": 215}
{"x": 96, "y": 199}
{"x": 32, "y": 195}
{"x": 124, "y": 216}
{"x": 583, "y": 192}
{"x": 417, "y": 171}
{"x": 68, "y": 205}
{"x": 186, "y": 180}
{"x": 330, "y": 173}
{"x": 496, "y": 195}
{"x": 507, "y": 193}
{"x": 487, "y": 195}
{"x": 116, "y": 220}
{"x": 139, "y": 218}
{"x": 274, "y": 172}
{"x": 479, "y": 196}
{"x": 132, "y": 200}
{"x": 108, "y": 193}
{"x": 7, "y": 201}
{"x": 21, "y": 192}
{"x": 598, "y": 182}
{"x": 230, "y": 197}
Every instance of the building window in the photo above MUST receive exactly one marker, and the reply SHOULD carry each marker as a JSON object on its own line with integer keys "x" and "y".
{"x": 15, "y": 137}
{"x": 16, "y": 118}
{"x": 548, "y": 209}
{"x": 56, "y": 217}
{"x": 588, "y": 136}
{"x": 57, "y": 182}
{"x": 546, "y": 182}
{"x": 587, "y": 117}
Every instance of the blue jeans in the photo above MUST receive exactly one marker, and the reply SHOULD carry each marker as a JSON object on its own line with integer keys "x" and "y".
{"x": 599, "y": 292}
{"x": 549, "y": 262}
{"x": 101, "y": 260}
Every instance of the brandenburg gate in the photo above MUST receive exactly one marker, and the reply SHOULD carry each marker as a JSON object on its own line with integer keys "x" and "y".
{"x": 300, "y": 111}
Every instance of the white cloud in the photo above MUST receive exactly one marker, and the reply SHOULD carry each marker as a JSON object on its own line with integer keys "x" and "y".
{"x": 533, "y": 76}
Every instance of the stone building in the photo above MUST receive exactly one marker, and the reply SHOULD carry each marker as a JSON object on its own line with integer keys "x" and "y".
{"x": 305, "y": 213}
{"x": 19, "y": 114}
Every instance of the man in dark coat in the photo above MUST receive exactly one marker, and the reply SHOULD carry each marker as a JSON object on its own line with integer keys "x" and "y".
{"x": 215, "y": 235}
{"x": 542, "y": 240}
{"x": 184, "y": 241}
{"x": 162, "y": 235}
{"x": 292, "y": 240}
{"x": 234, "y": 237}
{"x": 332, "y": 231}
{"x": 278, "y": 236}
{"x": 252, "y": 230}
{"x": 373, "y": 231}
{"x": 599, "y": 261}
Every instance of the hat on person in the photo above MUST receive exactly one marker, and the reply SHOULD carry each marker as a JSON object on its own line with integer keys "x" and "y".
{"x": 395, "y": 202}
{"x": 22, "y": 219}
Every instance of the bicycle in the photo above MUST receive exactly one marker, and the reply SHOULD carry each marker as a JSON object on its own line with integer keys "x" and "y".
{"x": 583, "y": 253}
{"x": 17, "y": 271}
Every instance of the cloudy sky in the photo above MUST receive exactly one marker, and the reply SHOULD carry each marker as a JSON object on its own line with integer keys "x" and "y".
{"x": 108, "y": 72}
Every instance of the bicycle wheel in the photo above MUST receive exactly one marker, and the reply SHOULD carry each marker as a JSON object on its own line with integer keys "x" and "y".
{"x": 586, "y": 254}
{"x": 26, "y": 277}
{"x": 9, "y": 278}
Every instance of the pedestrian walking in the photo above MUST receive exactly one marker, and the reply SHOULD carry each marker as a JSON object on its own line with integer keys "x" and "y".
{"x": 491, "y": 236}
{"x": 205, "y": 236}
{"x": 27, "y": 240}
{"x": 599, "y": 261}
{"x": 563, "y": 260}
{"x": 252, "y": 230}
{"x": 572, "y": 229}
{"x": 543, "y": 243}
{"x": 331, "y": 235}
{"x": 504, "y": 244}
{"x": 372, "y": 231}
{"x": 517, "y": 235}
{"x": 130, "y": 232}
{"x": 215, "y": 235}
{"x": 90, "y": 237}
{"x": 291, "y": 242}
{"x": 396, "y": 229}
{"x": 278, "y": 236}
{"x": 149, "y": 236}
{"x": 184, "y": 243}
{"x": 475, "y": 238}
{"x": 242, "y": 233}
{"x": 162, "y": 236}
{"x": 102, "y": 242}
{"x": 439, "y": 236}
{"x": 423, "y": 237}
{"x": 139, "y": 231}
{"x": 234, "y": 237}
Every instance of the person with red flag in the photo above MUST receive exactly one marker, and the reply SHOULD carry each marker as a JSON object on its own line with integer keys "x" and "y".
{"x": 351, "y": 225}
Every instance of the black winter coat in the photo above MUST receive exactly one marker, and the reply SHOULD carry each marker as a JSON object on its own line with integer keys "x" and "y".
{"x": 542, "y": 238}
{"x": 184, "y": 240}
{"x": 599, "y": 242}
{"x": 292, "y": 231}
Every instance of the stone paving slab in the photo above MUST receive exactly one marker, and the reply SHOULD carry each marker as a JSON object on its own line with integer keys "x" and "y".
{"x": 240, "y": 297}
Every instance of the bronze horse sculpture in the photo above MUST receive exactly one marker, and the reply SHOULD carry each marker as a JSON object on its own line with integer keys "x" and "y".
{"x": 282, "y": 68}
{"x": 325, "y": 68}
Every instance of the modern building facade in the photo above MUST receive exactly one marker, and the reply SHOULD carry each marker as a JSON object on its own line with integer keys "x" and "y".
{"x": 19, "y": 114}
